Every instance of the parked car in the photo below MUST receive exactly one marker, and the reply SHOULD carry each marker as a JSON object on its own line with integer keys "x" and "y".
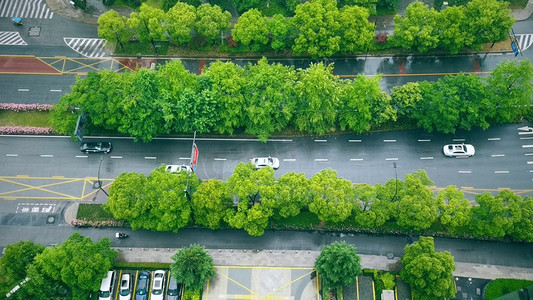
{"x": 263, "y": 162}
{"x": 141, "y": 293}
{"x": 178, "y": 168}
{"x": 174, "y": 289}
{"x": 106, "y": 286}
{"x": 96, "y": 147}
{"x": 459, "y": 150}
{"x": 158, "y": 285}
{"x": 125, "y": 287}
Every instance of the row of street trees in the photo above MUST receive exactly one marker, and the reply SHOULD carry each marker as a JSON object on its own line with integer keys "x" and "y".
{"x": 251, "y": 199}
{"x": 264, "y": 99}
{"x": 453, "y": 29}
{"x": 318, "y": 29}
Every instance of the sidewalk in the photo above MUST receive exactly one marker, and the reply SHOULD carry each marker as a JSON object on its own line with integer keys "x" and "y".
{"x": 306, "y": 259}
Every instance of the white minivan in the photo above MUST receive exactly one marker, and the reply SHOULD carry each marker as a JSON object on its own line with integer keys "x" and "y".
{"x": 106, "y": 288}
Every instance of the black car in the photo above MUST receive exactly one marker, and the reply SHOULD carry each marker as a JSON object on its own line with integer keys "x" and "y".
{"x": 95, "y": 147}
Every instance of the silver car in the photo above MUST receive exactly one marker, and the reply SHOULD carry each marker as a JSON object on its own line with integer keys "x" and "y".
{"x": 174, "y": 289}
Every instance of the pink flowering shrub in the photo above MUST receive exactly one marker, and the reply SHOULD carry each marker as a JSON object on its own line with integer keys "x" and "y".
{"x": 25, "y": 130}
{"x": 25, "y": 107}
{"x": 88, "y": 223}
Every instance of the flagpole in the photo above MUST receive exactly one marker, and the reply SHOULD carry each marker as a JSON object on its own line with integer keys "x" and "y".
{"x": 191, "y": 166}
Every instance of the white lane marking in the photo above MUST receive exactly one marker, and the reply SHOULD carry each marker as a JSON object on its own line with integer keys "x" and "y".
{"x": 321, "y": 141}
{"x": 528, "y": 154}
{"x": 389, "y": 141}
{"x": 525, "y": 132}
{"x": 289, "y": 159}
{"x": 56, "y": 91}
{"x": 465, "y": 172}
{"x": 184, "y": 158}
{"x": 391, "y": 158}
{"x": 23, "y": 90}
{"x": 530, "y": 171}
{"x": 497, "y": 155}
{"x": 354, "y": 141}
{"x": 527, "y": 146}
{"x": 501, "y": 172}
{"x": 527, "y": 138}
{"x": 221, "y": 159}
{"x": 12, "y": 155}
{"x": 427, "y": 157}
{"x": 47, "y": 155}
{"x": 493, "y": 139}
{"x": 321, "y": 159}
{"x": 81, "y": 156}
{"x": 150, "y": 157}
{"x": 426, "y": 140}
{"x": 356, "y": 159}
{"x": 116, "y": 156}
{"x": 458, "y": 140}
{"x": 530, "y": 162}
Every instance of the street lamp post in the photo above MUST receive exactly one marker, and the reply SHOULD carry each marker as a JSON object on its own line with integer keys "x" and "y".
{"x": 98, "y": 183}
{"x": 395, "y": 182}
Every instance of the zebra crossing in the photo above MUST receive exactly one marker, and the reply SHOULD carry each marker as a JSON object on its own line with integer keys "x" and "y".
{"x": 26, "y": 9}
{"x": 524, "y": 41}
{"x": 11, "y": 38}
{"x": 88, "y": 47}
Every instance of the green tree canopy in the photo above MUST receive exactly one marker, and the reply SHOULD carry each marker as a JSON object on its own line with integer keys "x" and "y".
{"x": 357, "y": 30}
{"x": 280, "y": 31}
{"x": 14, "y": 263}
{"x": 112, "y": 28}
{"x": 179, "y": 22}
{"x": 251, "y": 29}
{"x": 211, "y": 203}
{"x": 211, "y": 22}
{"x": 418, "y": 29}
{"x": 148, "y": 24}
{"x": 488, "y": 21}
{"x": 78, "y": 262}
{"x": 332, "y": 197}
{"x": 338, "y": 265}
{"x": 318, "y": 29}
{"x": 429, "y": 273}
{"x": 193, "y": 267}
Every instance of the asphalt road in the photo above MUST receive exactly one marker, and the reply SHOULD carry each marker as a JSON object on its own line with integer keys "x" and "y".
{"x": 503, "y": 157}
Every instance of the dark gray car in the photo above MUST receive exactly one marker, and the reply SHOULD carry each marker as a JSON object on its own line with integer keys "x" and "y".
{"x": 174, "y": 289}
{"x": 141, "y": 293}
{"x": 95, "y": 147}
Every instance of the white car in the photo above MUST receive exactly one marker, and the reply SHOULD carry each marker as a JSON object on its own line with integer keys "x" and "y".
{"x": 178, "y": 168}
{"x": 263, "y": 162}
{"x": 125, "y": 287}
{"x": 459, "y": 150}
{"x": 158, "y": 285}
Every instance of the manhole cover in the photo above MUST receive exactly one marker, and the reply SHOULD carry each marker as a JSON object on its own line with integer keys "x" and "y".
{"x": 390, "y": 255}
{"x": 50, "y": 220}
{"x": 34, "y": 31}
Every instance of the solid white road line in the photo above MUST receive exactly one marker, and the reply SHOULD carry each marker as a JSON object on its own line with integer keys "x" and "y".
{"x": 427, "y": 157}
{"x": 354, "y": 141}
{"x": 12, "y": 155}
{"x": 497, "y": 155}
{"x": 493, "y": 139}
